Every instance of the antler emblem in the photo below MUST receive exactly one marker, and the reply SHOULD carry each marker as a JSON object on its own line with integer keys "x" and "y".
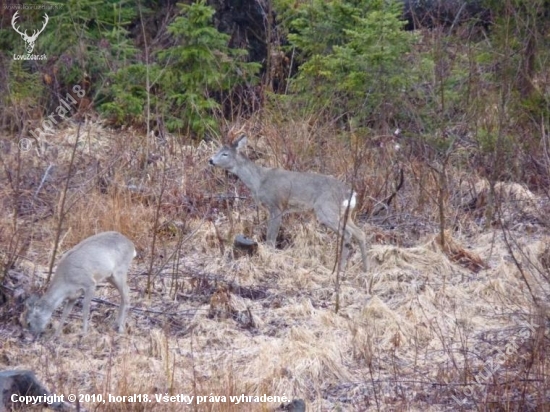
{"x": 30, "y": 40}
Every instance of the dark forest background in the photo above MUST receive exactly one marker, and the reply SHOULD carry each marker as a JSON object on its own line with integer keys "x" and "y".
{"x": 463, "y": 72}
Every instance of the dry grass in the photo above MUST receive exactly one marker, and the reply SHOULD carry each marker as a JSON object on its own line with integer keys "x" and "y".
{"x": 266, "y": 324}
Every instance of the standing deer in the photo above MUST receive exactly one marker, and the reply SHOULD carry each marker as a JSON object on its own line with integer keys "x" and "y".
{"x": 105, "y": 256}
{"x": 283, "y": 191}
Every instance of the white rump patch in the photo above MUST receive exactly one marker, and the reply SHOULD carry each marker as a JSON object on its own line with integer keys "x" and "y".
{"x": 352, "y": 203}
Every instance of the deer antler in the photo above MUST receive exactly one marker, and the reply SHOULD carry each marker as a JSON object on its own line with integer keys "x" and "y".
{"x": 235, "y": 133}
{"x": 13, "y": 19}
{"x": 46, "y": 20}
{"x": 35, "y": 33}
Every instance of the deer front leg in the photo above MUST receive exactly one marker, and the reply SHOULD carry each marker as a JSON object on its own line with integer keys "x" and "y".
{"x": 88, "y": 295}
{"x": 68, "y": 307}
{"x": 275, "y": 217}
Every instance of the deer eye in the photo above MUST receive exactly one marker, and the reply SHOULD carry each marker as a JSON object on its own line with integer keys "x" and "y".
{"x": 224, "y": 154}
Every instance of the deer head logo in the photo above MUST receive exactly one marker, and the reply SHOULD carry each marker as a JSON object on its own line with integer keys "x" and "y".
{"x": 30, "y": 40}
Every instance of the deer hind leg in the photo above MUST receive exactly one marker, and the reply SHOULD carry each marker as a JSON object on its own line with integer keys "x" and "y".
{"x": 345, "y": 251}
{"x": 334, "y": 220}
{"x": 118, "y": 280}
{"x": 331, "y": 218}
{"x": 361, "y": 238}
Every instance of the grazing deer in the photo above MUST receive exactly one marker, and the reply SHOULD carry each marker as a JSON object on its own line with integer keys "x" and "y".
{"x": 283, "y": 191}
{"x": 105, "y": 256}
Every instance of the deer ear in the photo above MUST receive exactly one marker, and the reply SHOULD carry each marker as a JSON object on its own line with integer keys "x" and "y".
{"x": 240, "y": 143}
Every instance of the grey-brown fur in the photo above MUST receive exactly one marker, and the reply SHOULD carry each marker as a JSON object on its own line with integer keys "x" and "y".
{"x": 283, "y": 191}
{"x": 105, "y": 256}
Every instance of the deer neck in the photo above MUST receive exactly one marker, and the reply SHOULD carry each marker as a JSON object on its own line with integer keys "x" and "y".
{"x": 250, "y": 173}
{"x": 53, "y": 298}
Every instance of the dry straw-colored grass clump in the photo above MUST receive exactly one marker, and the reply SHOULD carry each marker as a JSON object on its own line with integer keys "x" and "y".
{"x": 204, "y": 321}
{"x": 510, "y": 202}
